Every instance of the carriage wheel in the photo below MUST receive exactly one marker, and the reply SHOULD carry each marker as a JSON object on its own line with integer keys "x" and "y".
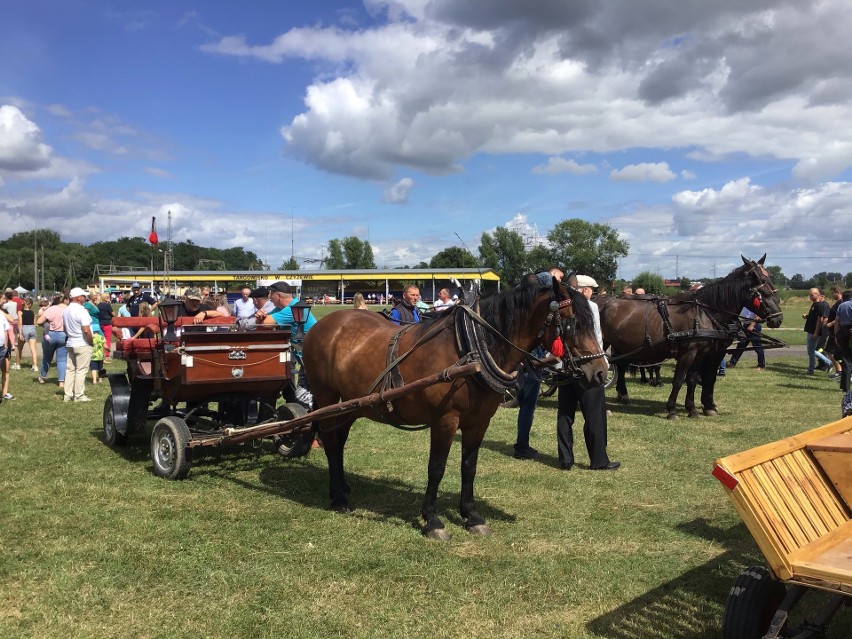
{"x": 611, "y": 375}
{"x": 111, "y": 435}
{"x": 169, "y": 452}
{"x": 751, "y": 604}
{"x": 510, "y": 398}
{"x": 292, "y": 446}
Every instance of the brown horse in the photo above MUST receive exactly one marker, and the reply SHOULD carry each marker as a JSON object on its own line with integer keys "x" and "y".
{"x": 345, "y": 356}
{"x": 693, "y": 331}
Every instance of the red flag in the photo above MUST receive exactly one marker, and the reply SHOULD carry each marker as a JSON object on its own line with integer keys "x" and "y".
{"x": 152, "y": 238}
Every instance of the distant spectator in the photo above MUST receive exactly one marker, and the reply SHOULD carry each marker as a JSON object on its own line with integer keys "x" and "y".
{"x": 221, "y": 300}
{"x": 444, "y": 301}
{"x": 10, "y": 308}
{"x": 96, "y": 366}
{"x": 136, "y": 298}
{"x": 53, "y": 339}
{"x": 27, "y": 332}
{"x": 815, "y": 319}
{"x": 830, "y": 346}
{"x": 78, "y": 328}
{"x": 752, "y": 329}
{"x": 640, "y": 291}
{"x": 627, "y": 290}
{"x": 358, "y": 302}
{"x": 244, "y": 307}
{"x": 7, "y": 343}
{"x": 105, "y": 316}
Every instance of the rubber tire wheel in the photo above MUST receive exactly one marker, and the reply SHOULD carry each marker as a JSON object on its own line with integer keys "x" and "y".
{"x": 510, "y": 398}
{"x": 292, "y": 446}
{"x": 169, "y": 452}
{"x": 751, "y": 604}
{"x": 111, "y": 436}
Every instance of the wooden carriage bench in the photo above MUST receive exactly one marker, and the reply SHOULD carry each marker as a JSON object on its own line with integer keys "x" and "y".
{"x": 795, "y": 495}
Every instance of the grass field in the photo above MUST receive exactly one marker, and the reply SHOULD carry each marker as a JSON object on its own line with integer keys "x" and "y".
{"x": 94, "y": 545}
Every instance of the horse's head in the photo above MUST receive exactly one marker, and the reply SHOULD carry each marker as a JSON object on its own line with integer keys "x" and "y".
{"x": 569, "y": 333}
{"x": 761, "y": 296}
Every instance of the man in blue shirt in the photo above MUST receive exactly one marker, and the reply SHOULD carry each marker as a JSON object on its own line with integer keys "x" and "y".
{"x": 281, "y": 295}
{"x": 406, "y": 311}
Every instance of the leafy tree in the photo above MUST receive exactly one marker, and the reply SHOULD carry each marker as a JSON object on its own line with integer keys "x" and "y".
{"x": 540, "y": 258}
{"x": 798, "y": 282}
{"x": 685, "y": 284}
{"x": 847, "y": 280}
{"x": 651, "y": 282}
{"x": 777, "y": 276}
{"x": 357, "y": 253}
{"x": 454, "y": 257}
{"x": 290, "y": 265}
{"x": 587, "y": 247}
{"x": 505, "y": 253}
{"x": 335, "y": 260}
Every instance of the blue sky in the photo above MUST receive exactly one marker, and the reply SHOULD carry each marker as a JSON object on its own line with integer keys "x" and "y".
{"x": 700, "y": 131}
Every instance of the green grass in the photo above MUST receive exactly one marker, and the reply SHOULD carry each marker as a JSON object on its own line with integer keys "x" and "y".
{"x": 92, "y": 544}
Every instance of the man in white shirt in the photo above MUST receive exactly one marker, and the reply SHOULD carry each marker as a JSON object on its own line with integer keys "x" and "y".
{"x": 444, "y": 301}
{"x": 78, "y": 328}
{"x": 244, "y": 308}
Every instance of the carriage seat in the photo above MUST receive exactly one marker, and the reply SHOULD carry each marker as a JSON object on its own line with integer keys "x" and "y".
{"x": 796, "y": 506}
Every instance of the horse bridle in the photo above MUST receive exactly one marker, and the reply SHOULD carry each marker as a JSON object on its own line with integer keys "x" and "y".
{"x": 568, "y": 328}
{"x": 756, "y": 293}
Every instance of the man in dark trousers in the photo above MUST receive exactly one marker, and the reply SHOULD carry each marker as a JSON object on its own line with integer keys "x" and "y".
{"x": 591, "y": 401}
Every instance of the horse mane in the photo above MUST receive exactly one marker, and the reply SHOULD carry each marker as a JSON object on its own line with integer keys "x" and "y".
{"x": 505, "y": 310}
{"x": 720, "y": 293}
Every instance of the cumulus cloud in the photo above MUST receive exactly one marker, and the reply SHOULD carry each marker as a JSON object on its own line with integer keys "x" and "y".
{"x": 398, "y": 193}
{"x": 435, "y": 82}
{"x": 21, "y": 146}
{"x": 686, "y": 174}
{"x": 643, "y": 172}
{"x": 556, "y": 165}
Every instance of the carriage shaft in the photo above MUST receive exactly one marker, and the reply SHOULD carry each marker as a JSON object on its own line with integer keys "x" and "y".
{"x": 303, "y": 424}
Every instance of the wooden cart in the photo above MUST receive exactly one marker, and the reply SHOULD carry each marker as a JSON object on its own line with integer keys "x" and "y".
{"x": 216, "y": 385}
{"x": 795, "y": 497}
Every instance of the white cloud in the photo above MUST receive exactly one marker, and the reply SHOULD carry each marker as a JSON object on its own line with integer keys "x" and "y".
{"x": 556, "y": 165}
{"x": 21, "y": 147}
{"x": 437, "y": 82}
{"x": 643, "y": 172}
{"x": 686, "y": 174}
{"x": 398, "y": 193}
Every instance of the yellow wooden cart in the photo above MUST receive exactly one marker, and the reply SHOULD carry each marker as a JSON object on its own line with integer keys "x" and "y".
{"x": 795, "y": 496}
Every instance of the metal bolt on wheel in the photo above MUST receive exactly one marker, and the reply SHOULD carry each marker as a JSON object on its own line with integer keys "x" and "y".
{"x": 169, "y": 452}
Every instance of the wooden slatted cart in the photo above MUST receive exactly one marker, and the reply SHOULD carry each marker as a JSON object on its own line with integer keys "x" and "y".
{"x": 795, "y": 497}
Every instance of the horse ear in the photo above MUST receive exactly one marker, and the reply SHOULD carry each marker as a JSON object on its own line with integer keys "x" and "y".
{"x": 762, "y": 259}
{"x": 745, "y": 260}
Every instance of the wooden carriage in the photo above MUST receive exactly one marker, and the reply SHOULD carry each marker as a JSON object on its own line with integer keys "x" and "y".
{"x": 795, "y": 497}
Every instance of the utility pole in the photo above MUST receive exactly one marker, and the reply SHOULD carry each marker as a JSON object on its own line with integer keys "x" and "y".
{"x": 35, "y": 263}
{"x": 677, "y": 267}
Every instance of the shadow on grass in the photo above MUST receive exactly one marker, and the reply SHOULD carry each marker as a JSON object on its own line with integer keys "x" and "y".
{"x": 692, "y": 605}
{"x": 303, "y": 482}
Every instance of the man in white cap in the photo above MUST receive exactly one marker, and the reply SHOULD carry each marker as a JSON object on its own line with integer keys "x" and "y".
{"x": 591, "y": 403}
{"x": 78, "y": 328}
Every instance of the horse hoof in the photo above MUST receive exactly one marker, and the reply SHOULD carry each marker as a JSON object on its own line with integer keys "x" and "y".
{"x": 343, "y": 509}
{"x": 693, "y": 413}
{"x": 624, "y": 399}
{"x": 671, "y": 416}
{"x": 711, "y": 412}
{"x": 437, "y": 534}
{"x": 480, "y": 530}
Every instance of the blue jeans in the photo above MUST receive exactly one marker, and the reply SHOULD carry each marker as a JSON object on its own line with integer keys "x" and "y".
{"x": 527, "y": 398}
{"x": 54, "y": 346}
{"x": 754, "y": 338}
{"x": 813, "y": 355}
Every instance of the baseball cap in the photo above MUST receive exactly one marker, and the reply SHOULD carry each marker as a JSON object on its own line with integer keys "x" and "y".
{"x": 77, "y": 292}
{"x": 135, "y": 285}
{"x": 280, "y": 287}
{"x": 259, "y": 292}
{"x": 585, "y": 280}
{"x": 193, "y": 294}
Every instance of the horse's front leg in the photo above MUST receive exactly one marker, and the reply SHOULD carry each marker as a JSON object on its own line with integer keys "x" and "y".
{"x": 471, "y": 441}
{"x": 333, "y": 442}
{"x": 708, "y": 373}
{"x": 439, "y": 450}
{"x": 621, "y": 381}
{"x": 689, "y": 400}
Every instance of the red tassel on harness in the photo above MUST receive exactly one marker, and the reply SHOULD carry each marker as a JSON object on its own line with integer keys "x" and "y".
{"x": 756, "y": 303}
{"x": 556, "y": 348}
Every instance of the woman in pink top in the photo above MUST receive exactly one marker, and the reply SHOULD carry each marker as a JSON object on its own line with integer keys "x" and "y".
{"x": 53, "y": 339}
